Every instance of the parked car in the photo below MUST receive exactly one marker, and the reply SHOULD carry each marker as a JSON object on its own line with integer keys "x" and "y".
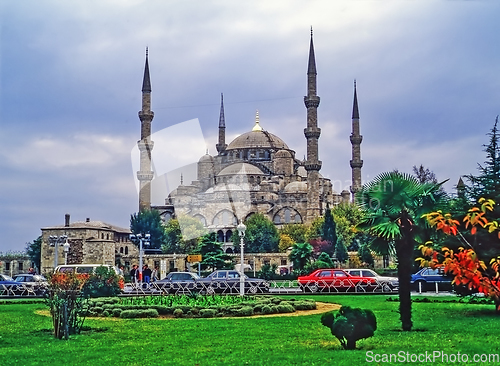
{"x": 9, "y": 287}
{"x": 228, "y": 281}
{"x": 426, "y": 279}
{"x": 177, "y": 282}
{"x": 32, "y": 282}
{"x": 335, "y": 280}
{"x": 385, "y": 284}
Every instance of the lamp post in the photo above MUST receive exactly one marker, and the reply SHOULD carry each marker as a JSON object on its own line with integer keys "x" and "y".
{"x": 66, "y": 250}
{"x": 55, "y": 241}
{"x": 139, "y": 238}
{"x": 241, "y": 231}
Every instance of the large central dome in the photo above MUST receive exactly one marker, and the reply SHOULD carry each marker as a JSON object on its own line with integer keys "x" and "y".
{"x": 257, "y": 138}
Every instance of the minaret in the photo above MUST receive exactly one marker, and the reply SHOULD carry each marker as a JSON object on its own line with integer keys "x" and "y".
{"x": 356, "y": 138}
{"x": 221, "y": 145}
{"x": 145, "y": 175}
{"x": 312, "y": 133}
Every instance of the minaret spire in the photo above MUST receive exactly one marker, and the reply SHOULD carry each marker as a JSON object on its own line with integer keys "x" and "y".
{"x": 356, "y": 138}
{"x": 221, "y": 145}
{"x": 312, "y": 133}
{"x": 145, "y": 175}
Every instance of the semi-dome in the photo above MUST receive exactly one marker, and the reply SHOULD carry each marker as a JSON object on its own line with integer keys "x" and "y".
{"x": 240, "y": 168}
{"x": 296, "y": 187}
{"x": 207, "y": 158}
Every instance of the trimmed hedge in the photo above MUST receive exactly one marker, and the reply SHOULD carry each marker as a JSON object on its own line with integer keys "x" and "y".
{"x": 250, "y": 306}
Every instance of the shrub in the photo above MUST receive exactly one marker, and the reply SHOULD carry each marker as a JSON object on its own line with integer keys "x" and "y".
{"x": 129, "y": 314}
{"x": 244, "y": 311}
{"x": 117, "y": 312}
{"x": 178, "y": 313}
{"x": 350, "y": 325}
{"x": 150, "y": 313}
{"x": 97, "y": 309}
{"x": 304, "y": 305}
{"x": 285, "y": 307}
{"x": 208, "y": 313}
{"x": 266, "y": 309}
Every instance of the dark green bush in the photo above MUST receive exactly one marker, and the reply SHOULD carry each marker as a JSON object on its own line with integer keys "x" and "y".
{"x": 117, "y": 312}
{"x": 285, "y": 307}
{"x": 129, "y": 314}
{"x": 244, "y": 311}
{"x": 178, "y": 313}
{"x": 207, "y": 313}
{"x": 266, "y": 309}
{"x": 349, "y": 325}
{"x": 304, "y": 305}
{"x": 150, "y": 313}
{"x": 97, "y": 309}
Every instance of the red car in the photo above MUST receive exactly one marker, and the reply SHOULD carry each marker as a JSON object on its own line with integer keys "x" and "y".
{"x": 335, "y": 280}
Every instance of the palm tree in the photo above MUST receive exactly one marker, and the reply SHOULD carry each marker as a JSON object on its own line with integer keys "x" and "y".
{"x": 301, "y": 255}
{"x": 394, "y": 203}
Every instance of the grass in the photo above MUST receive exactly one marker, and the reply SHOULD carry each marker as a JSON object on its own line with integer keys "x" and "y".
{"x": 25, "y": 337}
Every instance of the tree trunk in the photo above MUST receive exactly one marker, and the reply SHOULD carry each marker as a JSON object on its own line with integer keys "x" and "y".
{"x": 351, "y": 344}
{"x": 404, "y": 253}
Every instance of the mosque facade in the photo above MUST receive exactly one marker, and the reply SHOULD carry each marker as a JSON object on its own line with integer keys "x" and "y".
{"x": 257, "y": 172}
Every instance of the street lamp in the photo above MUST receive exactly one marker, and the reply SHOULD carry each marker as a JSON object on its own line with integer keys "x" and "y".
{"x": 55, "y": 241}
{"x": 66, "y": 250}
{"x": 138, "y": 238}
{"x": 241, "y": 231}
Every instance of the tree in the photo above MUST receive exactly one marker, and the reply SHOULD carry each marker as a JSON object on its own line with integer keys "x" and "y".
{"x": 301, "y": 255}
{"x": 347, "y": 215}
{"x": 213, "y": 256}
{"x": 394, "y": 203}
{"x": 297, "y": 232}
{"x": 341, "y": 251}
{"x": 149, "y": 222}
{"x": 424, "y": 175}
{"x": 315, "y": 230}
{"x": 465, "y": 263}
{"x": 365, "y": 255}
{"x": 329, "y": 227}
{"x": 173, "y": 237}
{"x": 487, "y": 183}
{"x": 285, "y": 242}
{"x": 34, "y": 251}
{"x": 261, "y": 236}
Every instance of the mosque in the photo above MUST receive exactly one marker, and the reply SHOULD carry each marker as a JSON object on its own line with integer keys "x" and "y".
{"x": 256, "y": 172}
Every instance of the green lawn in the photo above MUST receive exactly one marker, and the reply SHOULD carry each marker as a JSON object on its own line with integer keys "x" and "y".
{"x": 451, "y": 328}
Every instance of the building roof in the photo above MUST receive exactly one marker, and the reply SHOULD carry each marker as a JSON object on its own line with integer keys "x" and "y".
{"x": 296, "y": 187}
{"x": 89, "y": 225}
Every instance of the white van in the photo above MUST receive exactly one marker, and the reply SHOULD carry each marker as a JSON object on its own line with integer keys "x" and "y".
{"x": 84, "y": 268}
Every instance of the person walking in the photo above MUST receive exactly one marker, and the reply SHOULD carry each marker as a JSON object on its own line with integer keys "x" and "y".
{"x": 146, "y": 273}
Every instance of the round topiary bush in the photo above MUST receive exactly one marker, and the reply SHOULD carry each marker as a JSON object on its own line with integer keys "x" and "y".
{"x": 285, "y": 308}
{"x": 244, "y": 311}
{"x": 117, "y": 312}
{"x": 178, "y": 313}
{"x": 266, "y": 309}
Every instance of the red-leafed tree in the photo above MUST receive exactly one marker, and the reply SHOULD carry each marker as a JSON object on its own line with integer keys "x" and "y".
{"x": 465, "y": 264}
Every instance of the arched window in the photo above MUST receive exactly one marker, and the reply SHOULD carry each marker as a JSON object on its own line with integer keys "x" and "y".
{"x": 102, "y": 236}
{"x": 229, "y": 234}
{"x": 107, "y": 236}
{"x": 126, "y": 250}
{"x": 287, "y": 216}
{"x": 297, "y": 219}
{"x": 277, "y": 219}
{"x": 121, "y": 250}
{"x": 220, "y": 236}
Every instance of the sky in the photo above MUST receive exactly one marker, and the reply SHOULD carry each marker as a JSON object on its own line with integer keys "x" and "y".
{"x": 427, "y": 73}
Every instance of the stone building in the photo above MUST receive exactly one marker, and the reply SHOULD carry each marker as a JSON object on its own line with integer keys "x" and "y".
{"x": 89, "y": 242}
{"x": 258, "y": 172}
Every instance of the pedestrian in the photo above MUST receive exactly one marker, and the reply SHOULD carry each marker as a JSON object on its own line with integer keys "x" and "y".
{"x": 134, "y": 274}
{"x": 31, "y": 271}
{"x": 154, "y": 274}
{"x": 146, "y": 273}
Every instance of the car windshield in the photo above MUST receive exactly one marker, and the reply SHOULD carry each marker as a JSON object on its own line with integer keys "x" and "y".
{"x": 6, "y": 278}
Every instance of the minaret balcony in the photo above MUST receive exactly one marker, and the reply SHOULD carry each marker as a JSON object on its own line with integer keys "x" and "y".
{"x": 145, "y": 176}
{"x": 313, "y": 165}
{"x": 311, "y": 101}
{"x": 356, "y": 139}
{"x": 356, "y": 163}
{"x": 145, "y": 145}
{"x": 312, "y": 132}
